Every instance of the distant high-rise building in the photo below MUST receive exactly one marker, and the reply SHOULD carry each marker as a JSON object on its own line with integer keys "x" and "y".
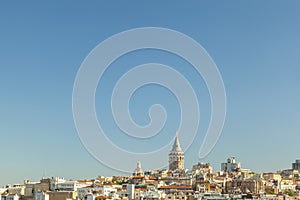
{"x": 130, "y": 191}
{"x": 296, "y": 165}
{"x": 231, "y": 165}
{"x": 176, "y": 156}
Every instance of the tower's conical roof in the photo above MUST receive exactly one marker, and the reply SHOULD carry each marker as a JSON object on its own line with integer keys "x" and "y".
{"x": 176, "y": 145}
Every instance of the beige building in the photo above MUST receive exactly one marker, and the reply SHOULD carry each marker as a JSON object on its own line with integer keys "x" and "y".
{"x": 16, "y": 189}
{"x": 31, "y": 189}
{"x": 62, "y": 195}
{"x": 203, "y": 168}
{"x": 254, "y": 185}
{"x": 272, "y": 176}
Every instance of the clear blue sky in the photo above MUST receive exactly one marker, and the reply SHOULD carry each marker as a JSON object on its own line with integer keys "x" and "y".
{"x": 255, "y": 44}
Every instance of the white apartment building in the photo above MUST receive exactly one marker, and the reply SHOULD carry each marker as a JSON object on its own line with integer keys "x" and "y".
{"x": 105, "y": 190}
{"x": 54, "y": 181}
{"x": 71, "y": 185}
{"x": 2, "y": 190}
{"x": 287, "y": 184}
{"x": 82, "y": 192}
{"x": 149, "y": 194}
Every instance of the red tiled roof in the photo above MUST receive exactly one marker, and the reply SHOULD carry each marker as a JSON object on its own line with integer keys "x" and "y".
{"x": 102, "y": 197}
{"x": 176, "y": 187}
{"x": 152, "y": 178}
{"x": 143, "y": 189}
{"x": 138, "y": 177}
{"x": 85, "y": 180}
{"x": 88, "y": 186}
{"x": 287, "y": 179}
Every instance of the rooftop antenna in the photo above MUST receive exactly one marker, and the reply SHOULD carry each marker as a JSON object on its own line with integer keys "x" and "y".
{"x": 43, "y": 173}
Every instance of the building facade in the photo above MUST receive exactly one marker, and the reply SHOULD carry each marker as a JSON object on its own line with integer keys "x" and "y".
{"x": 231, "y": 165}
{"x": 296, "y": 165}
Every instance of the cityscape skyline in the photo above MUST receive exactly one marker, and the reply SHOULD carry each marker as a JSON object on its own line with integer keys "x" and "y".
{"x": 229, "y": 166}
{"x": 199, "y": 182}
{"x": 139, "y": 171}
{"x": 42, "y": 45}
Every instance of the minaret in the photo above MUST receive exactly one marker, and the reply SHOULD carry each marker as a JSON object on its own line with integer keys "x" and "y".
{"x": 138, "y": 171}
{"x": 176, "y": 156}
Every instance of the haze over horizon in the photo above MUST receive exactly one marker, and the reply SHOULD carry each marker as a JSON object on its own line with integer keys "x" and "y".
{"x": 255, "y": 45}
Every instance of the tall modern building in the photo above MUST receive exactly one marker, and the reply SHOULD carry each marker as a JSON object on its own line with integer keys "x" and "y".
{"x": 231, "y": 165}
{"x": 296, "y": 165}
{"x": 176, "y": 156}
